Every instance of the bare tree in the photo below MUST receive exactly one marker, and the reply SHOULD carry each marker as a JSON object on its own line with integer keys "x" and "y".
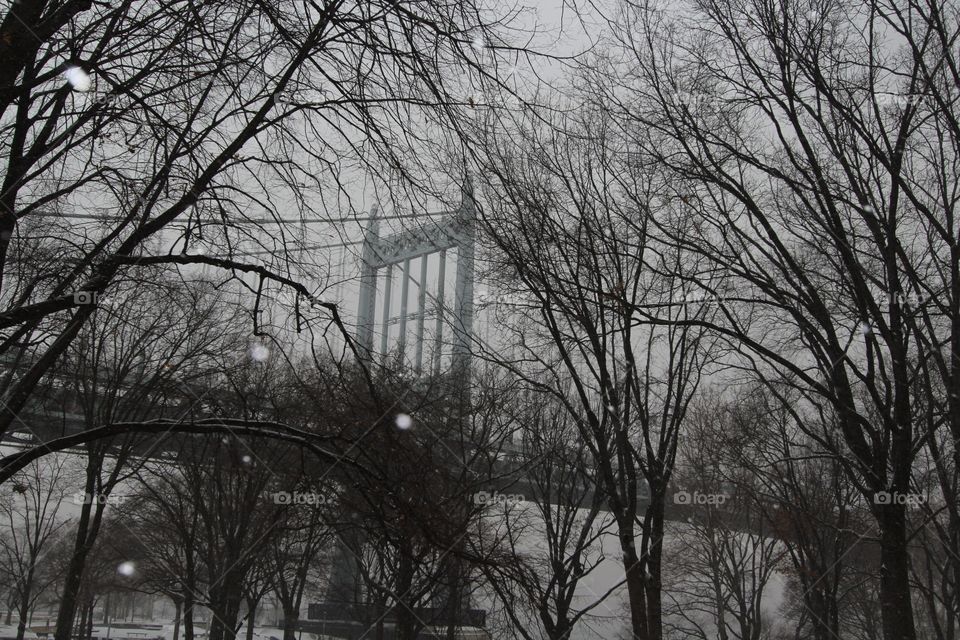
{"x": 145, "y": 132}
{"x": 810, "y": 504}
{"x": 164, "y": 522}
{"x": 295, "y": 553}
{"x": 257, "y": 586}
{"x": 411, "y": 525}
{"x": 815, "y": 146}
{"x": 556, "y": 499}
{"x": 573, "y": 242}
{"x": 724, "y": 558}
{"x": 30, "y": 506}
{"x": 223, "y": 488}
{"x": 134, "y": 364}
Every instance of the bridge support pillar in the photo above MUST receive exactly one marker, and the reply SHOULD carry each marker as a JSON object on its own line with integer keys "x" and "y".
{"x": 345, "y": 585}
{"x": 455, "y": 230}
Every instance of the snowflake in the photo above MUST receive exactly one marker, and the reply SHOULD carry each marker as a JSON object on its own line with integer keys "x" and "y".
{"x": 126, "y": 569}
{"x": 403, "y": 421}
{"x": 259, "y": 352}
{"x": 78, "y": 78}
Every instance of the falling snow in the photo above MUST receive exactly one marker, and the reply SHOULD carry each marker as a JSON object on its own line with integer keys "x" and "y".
{"x": 78, "y": 79}
{"x": 110, "y": 124}
{"x": 259, "y": 352}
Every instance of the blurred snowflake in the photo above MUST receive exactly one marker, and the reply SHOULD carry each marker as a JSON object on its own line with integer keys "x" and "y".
{"x": 78, "y": 79}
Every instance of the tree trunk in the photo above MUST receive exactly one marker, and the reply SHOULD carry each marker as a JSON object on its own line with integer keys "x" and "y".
{"x": 822, "y": 606}
{"x": 75, "y": 569}
{"x": 177, "y": 605}
{"x": 84, "y": 621}
{"x": 24, "y": 605}
{"x": 225, "y": 609}
{"x": 379, "y": 611}
{"x": 654, "y": 577}
{"x": 405, "y": 621}
{"x": 636, "y": 583}
{"x": 215, "y": 628}
{"x": 251, "y": 617}
{"x": 896, "y": 607}
{"x": 188, "y": 615}
{"x": 68, "y": 601}
{"x": 290, "y": 618}
{"x": 453, "y": 608}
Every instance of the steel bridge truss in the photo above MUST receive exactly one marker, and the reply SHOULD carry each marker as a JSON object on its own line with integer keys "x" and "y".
{"x": 454, "y": 231}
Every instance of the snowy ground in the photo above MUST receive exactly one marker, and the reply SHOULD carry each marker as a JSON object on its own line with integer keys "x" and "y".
{"x": 166, "y": 632}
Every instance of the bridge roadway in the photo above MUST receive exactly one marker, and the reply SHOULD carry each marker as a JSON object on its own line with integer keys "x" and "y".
{"x": 352, "y": 621}
{"x": 508, "y": 484}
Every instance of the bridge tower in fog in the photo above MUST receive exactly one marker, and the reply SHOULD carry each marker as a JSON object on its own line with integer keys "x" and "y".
{"x": 409, "y": 316}
{"x": 421, "y": 254}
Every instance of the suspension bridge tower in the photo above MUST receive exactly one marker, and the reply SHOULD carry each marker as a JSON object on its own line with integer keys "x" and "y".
{"x": 394, "y": 318}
